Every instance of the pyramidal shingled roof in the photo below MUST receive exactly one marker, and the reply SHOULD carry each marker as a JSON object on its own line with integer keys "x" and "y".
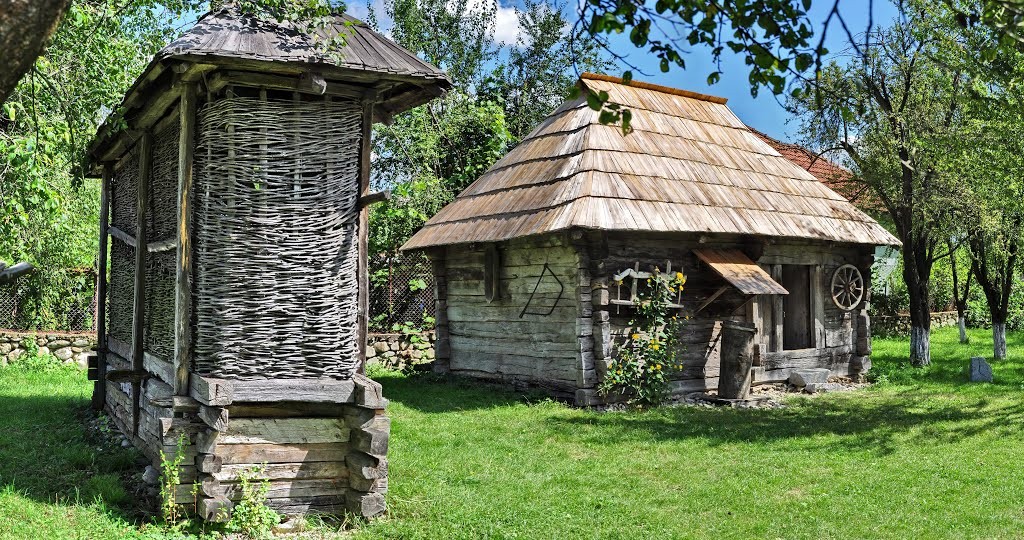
{"x": 227, "y": 33}
{"x": 689, "y": 165}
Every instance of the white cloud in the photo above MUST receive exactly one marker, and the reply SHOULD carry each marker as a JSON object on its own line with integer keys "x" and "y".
{"x": 506, "y": 19}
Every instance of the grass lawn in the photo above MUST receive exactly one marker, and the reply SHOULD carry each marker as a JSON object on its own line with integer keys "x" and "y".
{"x": 921, "y": 455}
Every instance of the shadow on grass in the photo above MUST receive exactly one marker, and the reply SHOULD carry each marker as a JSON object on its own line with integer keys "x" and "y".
{"x": 47, "y": 455}
{"x": 859, "y": 421}
{"x": 431, "y": 393}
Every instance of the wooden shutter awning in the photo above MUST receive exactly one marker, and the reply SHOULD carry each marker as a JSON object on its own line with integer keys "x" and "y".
{"x": 736, "y": 268}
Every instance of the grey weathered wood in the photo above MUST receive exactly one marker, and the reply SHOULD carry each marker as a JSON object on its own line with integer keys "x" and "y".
{"x": 209, "y": 463}
{"x": 122, "y": 236}
{"x": 777, "y": 315}
{"x": 139, "y": 309}
{"x": 183, "y": 274}
{"x": 215, "y": 417}
{"x": 312, "y": 390}
{"x": 364, "y": 223}
{"x": 210, "y": 391}
{"x": 818, "y": 306}
{"x": 99, "y": 395}
{"x": 235, "y": 454}
{"x": 215, "y": 509}
{"x": 284, "y": 431}
{"x": 287, "y": 471}
{"x": 737, "y": 359}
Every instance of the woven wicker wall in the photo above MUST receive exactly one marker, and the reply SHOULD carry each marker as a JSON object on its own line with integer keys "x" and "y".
{"x": 276, "y": 238}
{"x": 122, "y": 256}
{"x": 161, "y": 224}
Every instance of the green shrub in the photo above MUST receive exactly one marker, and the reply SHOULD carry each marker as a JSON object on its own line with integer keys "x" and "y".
{"x": 643, "y": 365}
{"x": 251, "y": 515}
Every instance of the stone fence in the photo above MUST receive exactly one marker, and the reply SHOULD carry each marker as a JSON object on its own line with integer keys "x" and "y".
{"x": 69, "y": 347}
{"x": 392, "y": 350}
{"x": 398, "y": 351}
{"x": 899, "y": 325}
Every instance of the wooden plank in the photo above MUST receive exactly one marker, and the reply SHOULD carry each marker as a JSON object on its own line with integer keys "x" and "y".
{"x": 736, "y": 268}
{"x": 235, "y": 454}
{"x": 287, "y": 471}
{"x": 312, "y": 390}
{"x": 183, "y": 275}
{"x": 818, "y": 306}
{"x": 284, "y": 431}
{"x": 99, "y": 393}
{"x": 139, "y": 310}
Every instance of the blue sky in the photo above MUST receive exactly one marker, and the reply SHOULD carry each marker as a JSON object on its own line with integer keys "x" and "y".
{"x": 763, "y": 112}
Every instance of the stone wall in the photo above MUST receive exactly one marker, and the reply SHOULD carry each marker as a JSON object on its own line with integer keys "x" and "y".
{"x": 67, "y": 347}
{"x": 397, "y": 351}
{"x": 899, "y": 325}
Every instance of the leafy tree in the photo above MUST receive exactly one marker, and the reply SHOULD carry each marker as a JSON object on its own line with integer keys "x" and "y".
{"x": 48, "y": 212}
{"x": 887, "y": 109}
{"x": 541, "y": 69}
{"x": 428, "y": 155}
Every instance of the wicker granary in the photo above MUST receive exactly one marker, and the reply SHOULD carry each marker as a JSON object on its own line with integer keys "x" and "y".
{"x": 527, "y": 258}
{"x": 235, "y": 193}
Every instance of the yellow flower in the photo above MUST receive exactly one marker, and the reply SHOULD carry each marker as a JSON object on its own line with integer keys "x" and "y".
{"x": 680, "y": 277}
{"x": 655, "y": 346}
{"x": 657, "y": 367}
{"x": 635, "y": 336}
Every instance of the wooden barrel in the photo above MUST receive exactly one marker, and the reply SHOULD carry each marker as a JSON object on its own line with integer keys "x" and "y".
{"x": 737, "y": 359}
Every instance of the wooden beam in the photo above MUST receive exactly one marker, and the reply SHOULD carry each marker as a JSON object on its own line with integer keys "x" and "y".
{"x": 99, "y": 392}
{"x": 818, "y": 287}
{"x": 373, "y": 198}
{"x": 364, "y": 222}
{"x": 707, "y": 301}
{"x": 122, "y": 236}
{"x": 776, "y": 332}
{"x": 303, "y": 83}
{"x": 139, "y": 311}
{"x": 183, "y": 275}
{"x": 305, "y": 390}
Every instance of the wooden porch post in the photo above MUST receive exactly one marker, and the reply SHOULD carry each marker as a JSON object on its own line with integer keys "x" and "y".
{"x": 139, "y": 309}
{"x": 364, "y": 222}
{"x": 183, "y": 275}
{"x": 99, "y": 392}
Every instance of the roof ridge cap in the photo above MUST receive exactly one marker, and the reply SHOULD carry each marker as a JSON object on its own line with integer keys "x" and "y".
{"x": 655, "y": 87}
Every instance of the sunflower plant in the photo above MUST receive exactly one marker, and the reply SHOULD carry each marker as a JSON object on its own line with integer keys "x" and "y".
{"x": 644, "y": 364}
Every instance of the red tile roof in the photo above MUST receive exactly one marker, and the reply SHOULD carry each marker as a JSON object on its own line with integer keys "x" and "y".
{"x": 835, "y": 176}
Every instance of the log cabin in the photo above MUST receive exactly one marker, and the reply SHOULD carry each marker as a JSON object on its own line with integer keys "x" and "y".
{"x": 537, "y": 261}
{"x": 234, "y": 211}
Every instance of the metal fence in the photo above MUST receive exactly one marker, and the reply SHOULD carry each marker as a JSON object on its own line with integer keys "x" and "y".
{"x": 401, "y": 292}
{"x": 50, "y": 301}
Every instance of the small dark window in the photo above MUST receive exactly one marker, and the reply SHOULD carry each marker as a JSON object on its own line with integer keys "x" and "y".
{"x": 492, "y": 272}
{"x": 797, "y": 321}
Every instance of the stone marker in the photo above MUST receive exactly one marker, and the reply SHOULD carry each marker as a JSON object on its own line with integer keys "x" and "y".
{"x": 804, "y": 377}
{"x": 981, "y": 371}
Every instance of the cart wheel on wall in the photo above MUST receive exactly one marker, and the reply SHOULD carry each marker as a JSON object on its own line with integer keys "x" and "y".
{"x": 847, "y": 287}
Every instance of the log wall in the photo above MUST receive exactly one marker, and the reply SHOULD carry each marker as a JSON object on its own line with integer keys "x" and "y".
{"x": 567, "y": 351}
{"x": 530, "y": 331}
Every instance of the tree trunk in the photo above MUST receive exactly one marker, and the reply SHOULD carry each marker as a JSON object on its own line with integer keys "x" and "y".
{"x": 961, "y": 321}
{"x": 917, "y": 278}
{"x": 999, "y": 340}
{"x": 25, "y": 27}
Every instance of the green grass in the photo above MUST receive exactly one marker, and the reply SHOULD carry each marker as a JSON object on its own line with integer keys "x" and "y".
{"x": 924, "y": 454}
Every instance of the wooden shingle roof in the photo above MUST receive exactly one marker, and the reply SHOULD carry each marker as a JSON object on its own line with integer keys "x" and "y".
{"x": 689, "y": 165}
{"x": 227, "y": 34}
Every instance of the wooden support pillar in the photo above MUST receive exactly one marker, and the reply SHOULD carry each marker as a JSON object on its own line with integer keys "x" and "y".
{"x": 99, "y": 392}
{"x": 139, "y": 310}
{"x": 777, "y": 314}
{"x": 818, "y": 288}
{"x": 183, "y": 274}
{"x": 364, "y": 223}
